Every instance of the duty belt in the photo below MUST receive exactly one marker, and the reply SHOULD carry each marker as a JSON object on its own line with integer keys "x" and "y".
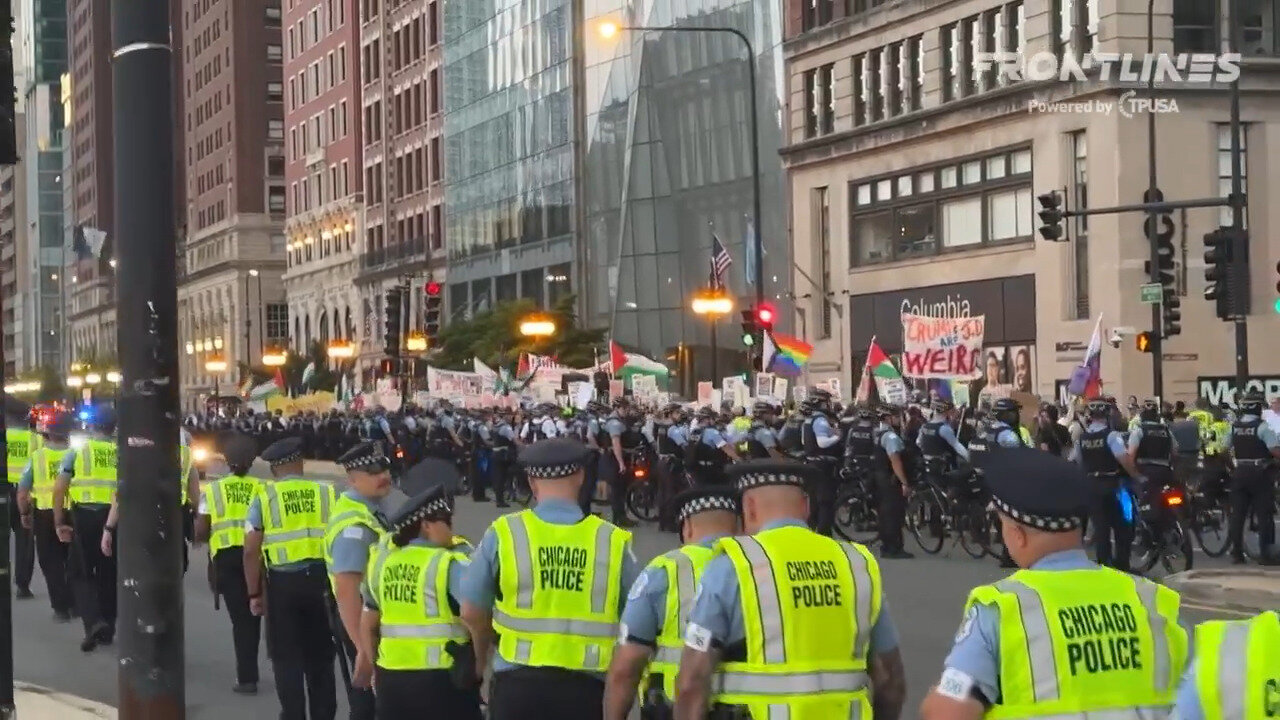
{"x": 1152, "y": 461}
{"x": 1254, "y": 462}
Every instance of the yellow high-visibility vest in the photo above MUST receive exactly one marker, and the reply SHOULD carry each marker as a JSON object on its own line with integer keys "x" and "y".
{"x": 808, "y": 606}
{"x": 683, "y": 568}
{"x": 19, "y": 445}
{"x": 46, "y": 464}
{"x": 94, "y": 482}
{"x": 185, "y": 458}
{"x": 347, "y": 513}
{"x": 227, "y": 501}
{"x": 560, "y": 591}
{"x": 411, "y": 587}
{"x": 295, "y": 514}
{"x": 1085, "y": 641}
{"x": 1238, "y": 668}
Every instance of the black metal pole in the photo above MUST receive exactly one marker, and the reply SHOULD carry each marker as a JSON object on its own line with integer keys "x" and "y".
{"x": 248, "y": 326}
{"x": 7, "y": 709}
{"x": 1153, "y": 219}
{"x": 715, "y": 353}
{"x": 1237, "y": 208}
{"x": 262, "y": 316}
{"x": 151, "y": 672}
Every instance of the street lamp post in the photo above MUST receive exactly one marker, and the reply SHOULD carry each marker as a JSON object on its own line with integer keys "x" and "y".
{"x": 215, "y": 366}
{"x": 610, "y": 29}
{"x": 712, "y": 304}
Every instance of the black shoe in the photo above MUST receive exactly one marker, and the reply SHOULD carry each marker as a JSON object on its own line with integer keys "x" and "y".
{"x": 502, "y": 505}
{"x": 24, "y": 594}
{"x": 1238, "y": 560}
{"x": 245, "y": 688}
{"x": 896, "y": 554}
{"x": 61, "y": 616}
{"x": 104, "y": 633}
{"x": 624, "y": 522}
{"x": 89, "y": 643}
{"x": 480, "y": 498}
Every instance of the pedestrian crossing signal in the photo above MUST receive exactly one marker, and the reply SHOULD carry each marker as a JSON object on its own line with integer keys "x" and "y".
{"x": 1143, "y": 342}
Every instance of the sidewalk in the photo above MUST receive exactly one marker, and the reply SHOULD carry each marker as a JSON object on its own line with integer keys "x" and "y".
{"x": 324, "y": 468}
{"x": 1247, "y": 590}
{"x": 37, "y": 703}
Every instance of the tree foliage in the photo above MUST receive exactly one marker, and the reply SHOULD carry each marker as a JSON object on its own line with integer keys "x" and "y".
{"x": 324, "y": 379}
{"x": 494, "y": 337}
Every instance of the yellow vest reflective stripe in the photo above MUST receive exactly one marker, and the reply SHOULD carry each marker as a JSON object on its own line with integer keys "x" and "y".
{"x": 1216, "y": 437}
{"x": 683, "y": 567}
{"x": 411, "y": 587}
{"x": 227, "y": 501}
{"x": 1025, "y": 436}
{"x": 1085, "y": 641}
{"x": 560, "y": 591}
{"x": 1238, "y": 668}
{"x": 19, "y": 445}
{"x": 185, "y": 457}
{"x": 808, "y": 606}
{"x": 95, "y": 474}
{"x": 294, "y": 516}
{"x": 347, "y": 513}
{"x": 46, "y": 463}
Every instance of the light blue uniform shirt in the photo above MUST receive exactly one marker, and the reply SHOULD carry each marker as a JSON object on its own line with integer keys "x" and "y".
{"x": 350, "y": 550}
{"x": 890, "y": 441}
{"x": 253, "y": 523}
{"x": 765, "y": 435}
{"x": 480, "y": 581}
{"x": 456, "y": 569}
{"x": 976, "y": 651}
{"x": 678, "y": 434}
{"x": 718, "y": 607}
{"x": 824, "y": 433}
{"x": 504, "y": 430}
{"x": 1005, "y": 435}
{"x": 713, "y": 438}
{"x": 483, "y": 431}
{"x": 1115, "y": 442}
{"x": 948, "y": 436}
{"x": 1265, "y": 433}
{"x": 646, "y": 608}
{"x": 614, "y": 426}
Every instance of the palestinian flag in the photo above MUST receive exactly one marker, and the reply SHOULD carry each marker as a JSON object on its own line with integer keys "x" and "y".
{"x": 878, "y": 371}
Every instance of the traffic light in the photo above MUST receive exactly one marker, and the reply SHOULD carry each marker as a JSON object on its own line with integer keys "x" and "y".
{"x": 749, "y": 326}
{"x": 394, "y": 321}
{"x": 1143, "y": 342}
{"x": 1160, "y": 230}
{"x": 1051, "y": 214}
{"x": 1226, "y": 259}
{"x": 765, "y": 315}
{"x": 1171, "y": 315}
{"x": 431, "y": 301}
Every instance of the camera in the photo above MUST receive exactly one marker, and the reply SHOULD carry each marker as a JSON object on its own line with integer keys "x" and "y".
{"x": 1117, "y": 335}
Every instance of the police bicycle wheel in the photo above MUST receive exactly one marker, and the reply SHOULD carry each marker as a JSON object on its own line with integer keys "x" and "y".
{"x": 520, "y": 491}
{"x": 1168, "y": 547}
{"x": 856, "y": 518}
{"x": 974, "y": 527}
{"x": 642, "y": 500}
{"x": 1209, "y": 523}
{"x": 928, "y": 518}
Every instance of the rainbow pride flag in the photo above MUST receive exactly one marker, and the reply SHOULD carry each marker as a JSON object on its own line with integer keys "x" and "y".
{"x": 785, "y": 355}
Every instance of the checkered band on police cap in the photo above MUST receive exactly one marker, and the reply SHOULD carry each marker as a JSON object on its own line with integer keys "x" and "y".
{"x": 1039, "y": 522}
{"x": 441, "y": 507}
{"x": 750, "y": 480}
{"x": 706, "y": 503}
{"x": 551, "y": 472}
{"x": 374, "y": 457}
{"x": 286, "y": 459}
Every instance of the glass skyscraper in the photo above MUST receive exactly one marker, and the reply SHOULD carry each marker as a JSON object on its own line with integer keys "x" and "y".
{"x": 628, "y": 214}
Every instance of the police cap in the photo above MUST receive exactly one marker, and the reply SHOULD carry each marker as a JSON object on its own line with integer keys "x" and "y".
{"x": 762, "y": 473}
{"x": 428, "y": 490}
{"x": 553, "y": 459}
{"x": 704, "y": 499}
{"x": 283, "y": 452}
{"x": 366, "y": 457}
{"x": 60, "y": 427}
{"x": 239, "y": 449}
{"x": 1038, "y": 489}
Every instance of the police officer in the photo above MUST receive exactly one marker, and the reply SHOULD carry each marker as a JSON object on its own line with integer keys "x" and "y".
{"x": 1101, "y": 453}
{"x": 503, "y": 438}
{"x": 410, "y": 623}
{"x": 617, "y": 438}
{"x": 657, "y": 610}
{"x": 760, "y": 441}
{"x": 707, "y": 451}
{"x": 821, "y": 444}
{"x": 87, "y": 479}
{"x": 221, "y": 517}
{"x": 1151, "y": 448}
{"x": 1063, "y": 636}
{"x": 860, "y": 449}
{"x": 20, "y": 444}
{"x": 1236, "y": 671}
{"x": 284, "y": 530}
{"x": 547, "y": 586}
{"x": 35, "y": 508}
{"x": 790, "y": 619}
{"x": 937, "y": 441}
{"x": 892, "y": 483}
{"x": 995, "y": 434}
{"x": 353, "y": 530}
{"x": 1255, "y": 447}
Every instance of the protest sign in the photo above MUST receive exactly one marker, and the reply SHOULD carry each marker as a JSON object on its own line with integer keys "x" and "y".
{"x": 764, "y": 385}
{"x": 704, "y": 393}
{"x": 948, "y": 347}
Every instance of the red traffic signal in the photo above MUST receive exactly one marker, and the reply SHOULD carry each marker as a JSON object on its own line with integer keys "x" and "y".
{"x": 432, "y": 288}
{"x": 764, "y": 316}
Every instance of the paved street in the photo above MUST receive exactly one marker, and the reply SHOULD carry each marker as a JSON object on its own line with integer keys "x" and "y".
{"x": 925, "y": 595}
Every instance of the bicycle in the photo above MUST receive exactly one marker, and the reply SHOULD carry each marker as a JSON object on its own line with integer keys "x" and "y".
{"x": 1160, "y": 535}
{"x": 857, "y": 517}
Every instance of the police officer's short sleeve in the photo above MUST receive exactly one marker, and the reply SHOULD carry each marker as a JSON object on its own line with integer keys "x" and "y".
{"x": 457, "y": 570}
{"x": 646, "y": 608}
{"x": 765, "y": 437}
{"x": 630, "y": 572}
{"x": 350, "y": 550}
{"x": 712, "y": 437}
{"x": 28, "y": 479}
{"x": 1008, "y": 438}
{"x": 203, "y": 507}
{"x": 1115, "y": 442}
{"x": 615, "y": 427}
{"x": 68, "y": 465}
{"x": 974, "y": 659}
{"x": 712, "y": 620}
{"x": 822, "y": 427}
{"x": 1268, "y": 436}
{"x": 253, "y": 521}
{"x": 1187, "y": 705}
{"x": 479, "y": 583}
{"x": 884, "y": 634}
{"x": 892, "y": 443}
{"x": 593, "y": 426}
{"x": 1135, "y": 438}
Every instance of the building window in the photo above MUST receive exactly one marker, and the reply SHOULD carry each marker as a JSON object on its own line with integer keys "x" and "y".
{"x": 871, "y": 97}
{"x": 1075, "y": 24}
{"x": 820, "y": 111}
{"x": 914, "y": 78}
{"x": 822, "y": 207}
{"x": 275, "y": 129}
{"x": 953, "y": 62}
{"x": 275, "y": 92}
{"x": 275, "y": 199}
{"x": 1079, "y": 200}
{"x": 1195, "y": 26}
{"x": 817, "y": 13}
{"x": 277, "y": 322}
{"x": 1224, "y": 169}
{"x": 980, "y": 201}
{"x": 273, "y": 53}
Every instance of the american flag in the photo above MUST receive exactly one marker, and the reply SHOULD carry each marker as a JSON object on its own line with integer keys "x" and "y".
{"x": 720, "y": 261}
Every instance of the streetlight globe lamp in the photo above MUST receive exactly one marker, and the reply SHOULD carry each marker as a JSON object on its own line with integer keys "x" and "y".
{"x": 416, "y": 342}
{"x": 712, "y": 303}
{"x": 215, "y": 365}
{"x": 608, "y": 29}
{"x": 92, "y": 379}
{"x": 341, "y": 350}
{"x": 537, "y": 327}
{"x": 75, "y": 381}
{"x": 274, "y": 358}
{"x": 114, "y": 377}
